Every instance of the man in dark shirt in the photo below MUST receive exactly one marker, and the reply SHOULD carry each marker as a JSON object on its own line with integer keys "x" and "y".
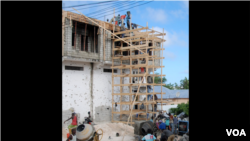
{"x": 175, "y": 124}
{"x": 155, "y": 106}
{"x": 123, "y": 29}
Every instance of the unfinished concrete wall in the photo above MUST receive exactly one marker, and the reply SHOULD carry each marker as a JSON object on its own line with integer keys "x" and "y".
{"x": 108, "y": 47}
{"x": 67, "y": 37}
{"x": 76, "y": 88}
{"x": 70, "y": 50}
{"x": 157, "y": 53}
{"x": 100, "y": 43}
{"x": 102, "y": 92}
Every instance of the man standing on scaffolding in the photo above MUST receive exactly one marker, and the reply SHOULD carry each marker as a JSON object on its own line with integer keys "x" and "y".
{"x": 128, "y": 20}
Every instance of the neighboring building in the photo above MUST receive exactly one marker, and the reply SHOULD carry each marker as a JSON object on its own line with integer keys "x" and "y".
{"x": 171, "y": 95}
{"x": 86, "y": 72}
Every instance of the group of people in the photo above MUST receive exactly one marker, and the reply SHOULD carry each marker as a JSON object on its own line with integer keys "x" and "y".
{"x": 119, "y": 20}
{"x": 168, "y": 123}
{"x": 166, "y": 135}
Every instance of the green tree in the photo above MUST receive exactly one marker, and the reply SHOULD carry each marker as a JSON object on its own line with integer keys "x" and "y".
{"x": 184, "y": 83}
{"x": 176, "y": 86}
{"x": 181, "y": 108}
{"x": 158, "y": 79}
{"x": 169, "y": 86}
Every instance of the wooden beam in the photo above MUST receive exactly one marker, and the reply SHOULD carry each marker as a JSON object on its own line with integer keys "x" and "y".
{"x": 136, "y": 75}
{"x": 137, "y": 84}
{"x": 136, "y": 66}
{"x": 135, "y": 48}
{"x": 138, "y": 36}
{"x": 159, "y": 49}
{"x": 127, "y": 31}
{"x": 137, "y": 94}
{"x": 134, "y": 56}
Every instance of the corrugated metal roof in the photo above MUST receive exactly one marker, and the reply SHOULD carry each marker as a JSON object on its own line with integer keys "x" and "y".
{"x": 171, "y": 93}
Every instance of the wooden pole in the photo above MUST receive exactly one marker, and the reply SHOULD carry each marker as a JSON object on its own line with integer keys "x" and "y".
{"x": 161, "y": 65}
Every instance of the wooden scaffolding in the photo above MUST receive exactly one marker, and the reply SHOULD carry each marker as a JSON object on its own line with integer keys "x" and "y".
{"x": 132, "y": 40}
{"x": 139, "y": 42}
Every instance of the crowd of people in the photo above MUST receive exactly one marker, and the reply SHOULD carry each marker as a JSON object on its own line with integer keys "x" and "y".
{"x": 168, "y": 128}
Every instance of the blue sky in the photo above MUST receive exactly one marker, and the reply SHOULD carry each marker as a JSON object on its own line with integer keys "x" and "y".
{"x": 173, "y": 16}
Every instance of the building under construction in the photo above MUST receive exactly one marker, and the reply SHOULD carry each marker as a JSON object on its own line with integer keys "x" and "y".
{"x": 109, "y": 75}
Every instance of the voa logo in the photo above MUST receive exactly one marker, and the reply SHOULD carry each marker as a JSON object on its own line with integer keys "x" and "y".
{"x": 236, "y": 132}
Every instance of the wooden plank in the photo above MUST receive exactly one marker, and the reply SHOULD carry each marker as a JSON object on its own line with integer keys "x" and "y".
{"x": 144, "y": 39}
{"x": 82, "y": 19}
{"x": 127, "y": 31}
{"x": 159, "y": 49}
{"x": 137, "y": 66}
{"x": 161, "y": 34}
{"x": 133, "y": 56}
{"x": 129, "y": 103}
{"x": 138, "y": 36}
{"x": 134, "y": 48}
{"x": 136, "y": 84}
{"x": 136, "y": 75}
{"x": 137, "y": 94}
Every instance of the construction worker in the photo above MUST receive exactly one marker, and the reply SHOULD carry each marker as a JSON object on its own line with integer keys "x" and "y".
{"x": 149, "y": 136}
{"x": 162, "y": 126}
{"x": 123, "y": 18}
{"x": 149, "y": 90}
{"x": 152, "y": 119}
{"x": 123, "y": 29}
{"x": 171, "y": 121}
{"x": 128, "y": 20}
{"x": 175, "y": 120}
{"x": 74, "y": 121}
{"x": 167, "y": 123}
{"x": 119, "y": 19}
{"x": 72, "y": 137}
{"x": 155, "y": 106}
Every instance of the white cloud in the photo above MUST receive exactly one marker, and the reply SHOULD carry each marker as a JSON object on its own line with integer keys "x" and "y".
{"x": 156, "y": 15}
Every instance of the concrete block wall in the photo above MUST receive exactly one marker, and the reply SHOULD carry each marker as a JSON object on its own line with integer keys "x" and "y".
{"x": 100, "y": 43}
{"x": 102, "y": 92}
{"x": 158, "y": 53}
{"x": 67, "y": 38}
{"x": 69, "y": 49}
{"x": 108, "y": 47}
